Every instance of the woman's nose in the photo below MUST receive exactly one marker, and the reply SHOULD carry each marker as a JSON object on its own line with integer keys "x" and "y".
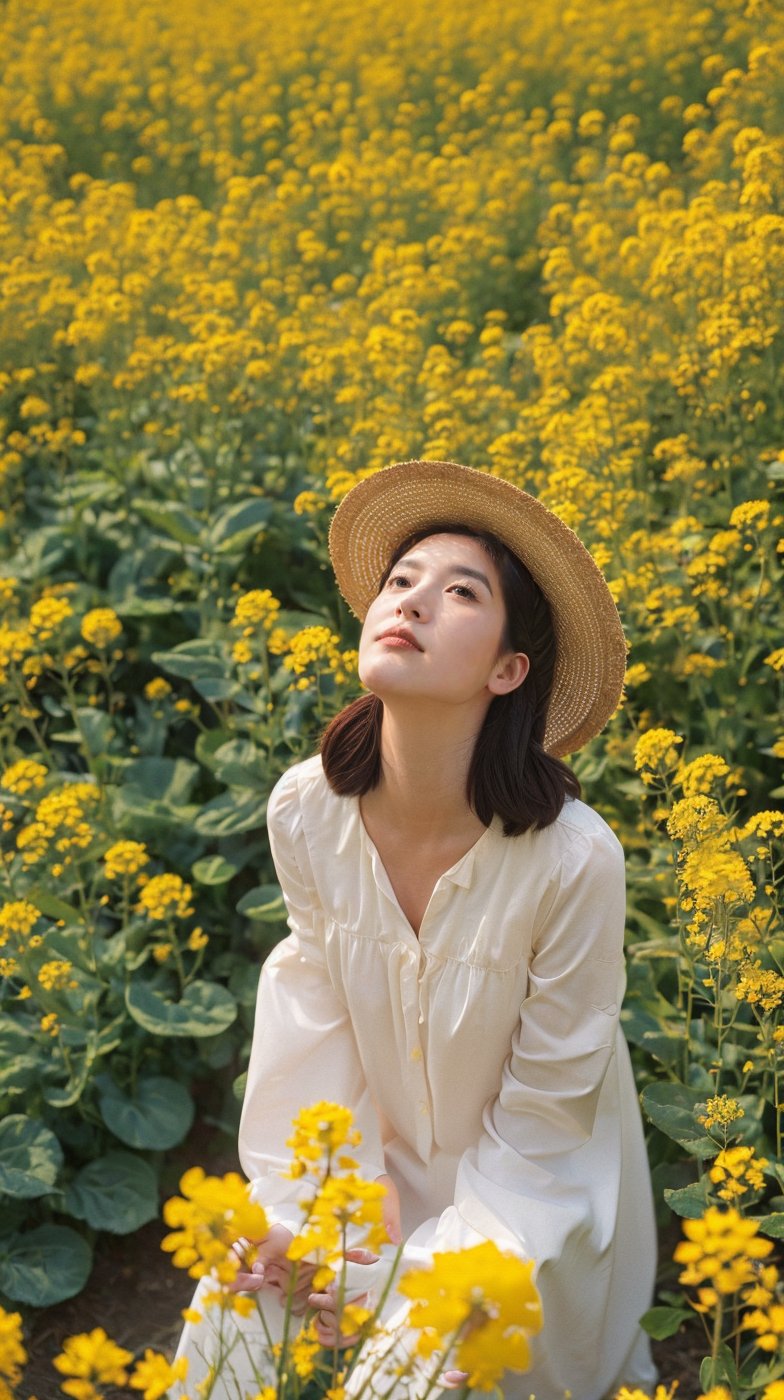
{"x": 411, "y": 603}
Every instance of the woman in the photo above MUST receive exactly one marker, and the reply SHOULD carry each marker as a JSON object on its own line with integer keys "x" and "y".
{"x": 454, "y": 970}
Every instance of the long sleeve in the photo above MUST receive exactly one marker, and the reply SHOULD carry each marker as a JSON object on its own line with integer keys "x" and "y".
{"x": 303, "y": 1047}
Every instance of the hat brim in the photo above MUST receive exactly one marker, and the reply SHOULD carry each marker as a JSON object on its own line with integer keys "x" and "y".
{"x": 379, "y": 512}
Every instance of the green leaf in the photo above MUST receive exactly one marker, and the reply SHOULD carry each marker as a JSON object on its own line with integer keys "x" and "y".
{"x": 664, "y": 1322}
{"x": 195, "y": 660}
{"x": 671, "y": 1108}
{"x": 213, "y": 870}
{"x": 64, "y": 1096}
{"x": 204, "y": 1009}
{"x": 158, "y": 1114}
{"x": 263, "y": 903}
{"x": 167, "y": 780}
{"x": 171, "y": 519}
{"x": 239, "y": 523}
{"x": 772, "y": 1225}
{"x": 44, "y": 1266}
{"x": 241, "y": 764}
{"x": 225, "y": 815}
{"x": 30, "y": 1157}
{"x": 118, "y": 1193}
{"x": 21, "y": 1058}
{"x": 52, "y": 907}
{"x": 689, "y": 1202}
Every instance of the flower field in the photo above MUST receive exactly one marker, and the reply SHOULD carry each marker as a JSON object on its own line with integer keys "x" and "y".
{"x": 249, "y": 254}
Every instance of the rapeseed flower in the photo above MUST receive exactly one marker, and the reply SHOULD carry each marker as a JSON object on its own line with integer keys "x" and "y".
{"x": 656, "y": 750}
{"x": 13, "y": 1356}
{"x": 721, "y": 1110}
{"x": 737, "y": 1170}
{"x": 166, "y": 896}
{"x": 721, "y": 1249}
{"x": 17, "y": 920}
{"x": 210, "y": 1215}
{"x": 482, "y": 1301}
{"x": 101, "y": 627}
{"x": 155, "y": 1376}
{"x": 90, "y": 1360}
{"x": 26, "y": 775}
{"x": 125, "y": 858}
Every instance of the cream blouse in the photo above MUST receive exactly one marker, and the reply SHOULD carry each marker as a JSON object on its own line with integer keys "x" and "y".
{"x": 483, "y": 1061}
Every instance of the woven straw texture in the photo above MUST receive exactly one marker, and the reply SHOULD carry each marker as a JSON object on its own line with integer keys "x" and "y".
{"x": 378, "y": 513}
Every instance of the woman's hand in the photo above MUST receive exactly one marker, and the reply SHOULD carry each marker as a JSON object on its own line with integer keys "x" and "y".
{"x": 273, "y": 1270}
{"x": 326, "y": 1322}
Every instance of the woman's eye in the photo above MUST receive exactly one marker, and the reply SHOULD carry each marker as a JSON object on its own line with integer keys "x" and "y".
{"x": 396, "y": 577}
{"x": 465, "y": 589}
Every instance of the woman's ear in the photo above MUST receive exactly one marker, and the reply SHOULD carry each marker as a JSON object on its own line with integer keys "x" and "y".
{"x": 509, "y": 672}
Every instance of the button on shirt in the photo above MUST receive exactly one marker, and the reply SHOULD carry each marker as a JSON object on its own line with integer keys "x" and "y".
{"x": 483, "y": 1061}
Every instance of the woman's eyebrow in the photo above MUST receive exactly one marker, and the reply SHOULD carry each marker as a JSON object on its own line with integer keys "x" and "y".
{"x": 411, "y": 561}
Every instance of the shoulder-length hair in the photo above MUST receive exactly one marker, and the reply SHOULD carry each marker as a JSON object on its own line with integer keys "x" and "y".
{"x": 510, "y": 773}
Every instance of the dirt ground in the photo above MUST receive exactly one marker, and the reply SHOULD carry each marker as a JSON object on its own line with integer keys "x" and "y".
{"x": 136, "y": 1295}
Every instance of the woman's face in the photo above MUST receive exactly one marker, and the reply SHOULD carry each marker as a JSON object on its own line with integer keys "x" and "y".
{"x": 445, "y": 592}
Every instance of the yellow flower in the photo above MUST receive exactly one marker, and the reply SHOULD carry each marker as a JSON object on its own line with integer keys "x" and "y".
{"x": 304, "y": 1350}
{"x": 125, "y": 858}
{"x": 738, "y": 1169}
{"x": 307, "y": 503}
{"x": 197, "y": 939}
{"x": 321, "y": 1130}
{"x": 166, "y": 896}
{"x": 56, "y": 975}
{"x": 17, "y": 919}
{"x": 12, "y": 1353}
{"x": 662, "y": 1393}
{"x": 722, "y": 1110}
{"x": 775, "y": 659}
{"x": 700, "y": 775}
{"x": 750, "y": 515}
{"x": 23, "y": 776}
{"x": 210, "y": 1215}
{"x": 155, "y": 1375}
{"x": 695, "y": 819}
{"x": 768, "y": 1323}
{"x": 101, "y": 627}
{"x": 91, "y": 1358}
{"x": 47, "y": 615}
{"x": 340, "y": 1201}
{"x": 760, "y": 986}
{"x": 721, "y": 1249}
{"x": 656, "y": 750}
{"x": 157, "y": 689}
{"x": 484, "y": 1299}
{"x": 258, "y": 607}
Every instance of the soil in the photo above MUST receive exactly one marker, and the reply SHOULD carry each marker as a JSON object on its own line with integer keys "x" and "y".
{"x": 136, "y": 1295}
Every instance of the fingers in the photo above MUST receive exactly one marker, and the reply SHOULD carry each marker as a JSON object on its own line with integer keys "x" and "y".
{"x": 391, "y": 1209}
{"x": 360, "y": 1256}
{"x": 452, "y": 1380}
{"x": 274, "y": 1244}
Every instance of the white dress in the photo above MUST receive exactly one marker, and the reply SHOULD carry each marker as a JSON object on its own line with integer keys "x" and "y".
{"x": 484, "y": 1063}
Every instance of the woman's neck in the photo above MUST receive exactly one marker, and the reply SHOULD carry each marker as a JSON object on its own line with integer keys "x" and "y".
{"x": 425, "y": 758}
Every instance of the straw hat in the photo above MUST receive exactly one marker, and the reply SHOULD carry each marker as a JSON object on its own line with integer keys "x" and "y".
{"x": 377, "y": 514}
